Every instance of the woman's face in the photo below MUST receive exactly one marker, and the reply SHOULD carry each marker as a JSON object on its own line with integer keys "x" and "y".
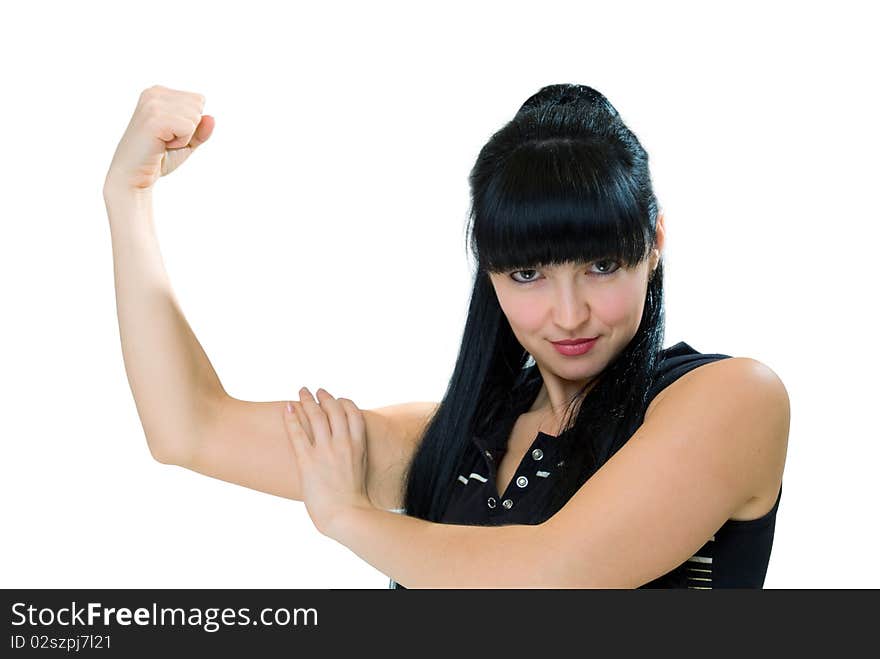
{"x": 574, "y": 301}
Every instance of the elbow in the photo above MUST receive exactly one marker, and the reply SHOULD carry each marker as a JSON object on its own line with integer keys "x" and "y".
{"x": 165, "y": 453}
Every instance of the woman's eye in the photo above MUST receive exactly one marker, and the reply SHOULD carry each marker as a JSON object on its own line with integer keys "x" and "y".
{"x": 522, "y": 281}
{"x": 613, "y": 264}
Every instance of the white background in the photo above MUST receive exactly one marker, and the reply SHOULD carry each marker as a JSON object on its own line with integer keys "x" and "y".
{"x": 318, "y": 239}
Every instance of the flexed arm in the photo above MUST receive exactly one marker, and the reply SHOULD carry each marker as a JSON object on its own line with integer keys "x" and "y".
{"x": 188, "y": 418}
{"x": 170, "y": 376}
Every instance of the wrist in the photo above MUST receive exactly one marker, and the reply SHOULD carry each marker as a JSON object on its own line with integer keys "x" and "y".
{"x": 119, "y": 192}
{"x": 121, "y": 203}
{"x": 345, "y": 519}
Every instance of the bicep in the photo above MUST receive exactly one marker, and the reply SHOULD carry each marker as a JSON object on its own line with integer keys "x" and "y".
{"x": 245, "y": 443}
{"x": 699, "y": 457}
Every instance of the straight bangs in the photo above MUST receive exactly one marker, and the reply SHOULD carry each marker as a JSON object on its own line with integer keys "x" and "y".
{"x": 559, "y": 201}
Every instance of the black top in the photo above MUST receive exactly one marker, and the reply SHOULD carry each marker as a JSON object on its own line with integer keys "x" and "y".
{"x": 736, "y": 556}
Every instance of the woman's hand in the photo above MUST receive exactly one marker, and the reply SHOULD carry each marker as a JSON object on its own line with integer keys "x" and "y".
{"x": 165, "y": 128}
{"x": 329, "y": 441}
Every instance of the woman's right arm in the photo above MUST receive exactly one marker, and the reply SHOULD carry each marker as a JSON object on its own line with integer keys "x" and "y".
{"x": 187, "y": 416}
{"x": 173, "y": 383}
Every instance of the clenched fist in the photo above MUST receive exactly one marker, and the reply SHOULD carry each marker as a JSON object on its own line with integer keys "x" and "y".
{"x": 166, "y": 127}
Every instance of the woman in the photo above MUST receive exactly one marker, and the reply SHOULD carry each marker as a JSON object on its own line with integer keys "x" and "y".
{"x": 570, "y": 449}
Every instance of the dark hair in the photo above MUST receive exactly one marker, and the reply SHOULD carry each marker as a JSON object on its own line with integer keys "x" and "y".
{"x": 564, "y": 181}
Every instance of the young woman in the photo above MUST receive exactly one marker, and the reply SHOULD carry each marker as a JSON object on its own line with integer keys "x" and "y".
{"x": 569, "y": 450}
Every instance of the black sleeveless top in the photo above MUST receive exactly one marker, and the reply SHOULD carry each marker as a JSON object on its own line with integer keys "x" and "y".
{"x": 736, "y": 556}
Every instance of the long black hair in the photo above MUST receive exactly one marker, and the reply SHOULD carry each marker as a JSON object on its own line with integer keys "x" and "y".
{"x": 564, "y": 181}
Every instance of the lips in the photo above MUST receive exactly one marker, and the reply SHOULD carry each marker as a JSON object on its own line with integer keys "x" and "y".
{"x": 574, "y": 342}
{"x": 574, "y": 347}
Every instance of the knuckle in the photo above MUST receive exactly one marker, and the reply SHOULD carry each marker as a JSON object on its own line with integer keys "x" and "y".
{"x": 151, "y": 105}
{"x": 152, "y": 92}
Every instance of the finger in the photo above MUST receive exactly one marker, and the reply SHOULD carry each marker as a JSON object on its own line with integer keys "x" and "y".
{"x": 335, "y": 413}
{"x": 177, "y": 131}
{"x": 357, "y": 426}
{"x": 203, "y": 131}
{"x": 299, "y": 442}
{"x": 358, "y": 434}
{"x": 317, "y": 417}
{"x": 303, "y": 421}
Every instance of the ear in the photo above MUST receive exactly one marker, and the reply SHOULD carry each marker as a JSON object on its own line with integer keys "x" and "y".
{"x": 660, "y": 239}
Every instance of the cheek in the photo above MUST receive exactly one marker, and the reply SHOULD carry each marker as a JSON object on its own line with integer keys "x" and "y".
{"x": 613, "y": 309}
{"x": 522, "y": 313}
{"x": 619, "y": 305}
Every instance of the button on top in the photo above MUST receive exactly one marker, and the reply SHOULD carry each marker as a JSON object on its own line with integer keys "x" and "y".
{"x": 537, "y": 454}
{"x": 522, "y": 481}
{"x": 507, "y": 503}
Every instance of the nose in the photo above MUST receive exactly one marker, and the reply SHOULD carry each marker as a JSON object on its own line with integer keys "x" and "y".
{"x": 570, "y": 308}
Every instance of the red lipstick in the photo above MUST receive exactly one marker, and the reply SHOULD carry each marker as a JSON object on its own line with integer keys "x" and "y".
{"x": 574, "y": 347}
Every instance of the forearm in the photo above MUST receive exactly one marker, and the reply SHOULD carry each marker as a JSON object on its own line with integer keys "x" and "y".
{"x": 171, "y": 378}
{"x": 420, "y": 554}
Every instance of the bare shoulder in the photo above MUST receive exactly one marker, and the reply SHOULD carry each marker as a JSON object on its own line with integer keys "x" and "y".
{"x": 753, "y": 392}
{"x": 394, "y": 432}
{"x": 735, "y": 377}
{"x": 720, "y": 376}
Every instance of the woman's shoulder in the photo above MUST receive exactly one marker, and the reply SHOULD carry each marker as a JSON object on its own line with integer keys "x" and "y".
{"x": 680, "y": 361}
{"x": 676, "y": 361}
{"x": 719, "y": 386}
{"x": 682, "y": 356}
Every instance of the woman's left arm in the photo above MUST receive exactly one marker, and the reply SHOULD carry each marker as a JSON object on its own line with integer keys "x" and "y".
{"x": 719, "y": 435}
